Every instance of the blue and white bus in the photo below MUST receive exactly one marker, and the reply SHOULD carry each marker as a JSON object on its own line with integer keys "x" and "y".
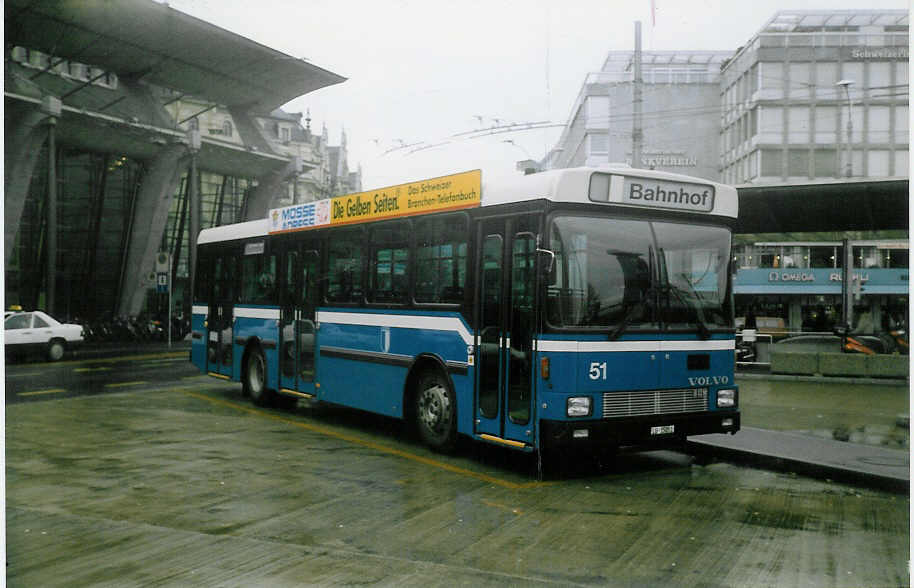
{"x": 585, "y": 307}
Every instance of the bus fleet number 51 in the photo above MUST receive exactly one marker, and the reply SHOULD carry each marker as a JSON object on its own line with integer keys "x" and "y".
{"x": 597, "y": 370}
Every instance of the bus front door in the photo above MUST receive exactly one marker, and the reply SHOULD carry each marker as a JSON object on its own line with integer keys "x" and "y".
{"x": 297, "y": 326}
{"x": 505, "y": 352}
{"x": 220, "y": 316}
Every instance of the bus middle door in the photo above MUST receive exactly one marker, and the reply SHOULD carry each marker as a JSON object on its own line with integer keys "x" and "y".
{"x": 220, "y": 316}
{"x": 505, "y": 352}
{"x": 297, "y": 321}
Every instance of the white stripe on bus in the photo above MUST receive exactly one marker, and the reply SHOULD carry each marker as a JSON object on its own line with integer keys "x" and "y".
{"x": 657, "y": 346}
{"x": 402, "y": 321}
{"x": 255, "y": 313}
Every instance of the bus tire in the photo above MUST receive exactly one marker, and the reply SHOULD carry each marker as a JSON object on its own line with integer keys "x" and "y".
{"x": 435, "y": 410}
{"x": 56, "y": 349}
{"x": 255, "y": 378}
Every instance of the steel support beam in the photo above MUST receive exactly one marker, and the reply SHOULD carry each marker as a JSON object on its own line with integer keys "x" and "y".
{"x": 261, "y": 198}
{"x": 153, "y": 203}
{"x": 25, "y": 134}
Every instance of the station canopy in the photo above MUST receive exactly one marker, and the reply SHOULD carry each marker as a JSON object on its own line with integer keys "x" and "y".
{"x": 146, "y": 40}
{"x": 842, "y": 205}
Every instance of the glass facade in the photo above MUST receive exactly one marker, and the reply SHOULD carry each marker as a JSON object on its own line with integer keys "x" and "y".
{"x": 221, "y": 203}
{"x": 789, "y": 74}
{"x": 796, "y": 286}
{"x": 95, "y": 195}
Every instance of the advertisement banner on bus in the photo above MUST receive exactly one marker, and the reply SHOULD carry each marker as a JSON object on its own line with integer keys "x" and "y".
{"x": 451, "y": 192}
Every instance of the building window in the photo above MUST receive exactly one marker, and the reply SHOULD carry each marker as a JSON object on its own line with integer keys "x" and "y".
{"x": 901, "y": 124}
{"x": 851, "y": 70}
{"x": 799, "y": 80}
{"x": 878, "y": 124}
{"x": 771, "y": 163}
{"x": 798, "y": 124}
{"x": 798, "y": 163}
{"x": 880, "y": 78}
{"x": 771, "y": 124}
{"x": 901, "y": 75}
{"x": 772, "y": 79}
{"x": 901, "y": 163}
{"x": 826, "y": 78}
{"x": 227, "y": 128}
{"x": 285, "y": 134}
{"x": 598, "y": 143}
{"x": 877, "y": 163}
{"x": 826, "y": 124}
{"x": 78, "y": 71}
{"x": 826, "y": 163}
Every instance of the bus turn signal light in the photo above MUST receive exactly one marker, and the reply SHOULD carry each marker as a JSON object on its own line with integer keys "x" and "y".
{"x": 544, "y": 368}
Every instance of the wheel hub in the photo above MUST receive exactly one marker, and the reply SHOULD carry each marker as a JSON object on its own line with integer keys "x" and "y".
{"x": 433, "y": 407}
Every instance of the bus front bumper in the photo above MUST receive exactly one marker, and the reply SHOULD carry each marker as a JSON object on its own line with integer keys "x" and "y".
{"x": 645, "y": 430}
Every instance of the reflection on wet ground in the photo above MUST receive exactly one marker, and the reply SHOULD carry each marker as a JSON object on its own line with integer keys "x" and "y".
{"x": 195, "y": 487}
{"x": 871, "y": 414}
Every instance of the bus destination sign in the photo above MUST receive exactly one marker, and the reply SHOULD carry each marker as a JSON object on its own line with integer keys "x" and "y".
{"x": 451, "y": 192}
{"x": 665, "y": 194}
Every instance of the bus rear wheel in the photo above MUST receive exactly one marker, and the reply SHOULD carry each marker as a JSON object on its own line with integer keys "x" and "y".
{"x": 436, "y": 411}
{"x": 255, "y": 378}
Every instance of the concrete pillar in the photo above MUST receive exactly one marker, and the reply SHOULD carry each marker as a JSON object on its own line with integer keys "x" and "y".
{"x": 25, "y": 134}
{"x": 150, "y": 217}
{"x": 795, "y": 318}
{"x": 268, "y": 187}
{"x": 876, "y": 303}
{"x": 51, "y": 214}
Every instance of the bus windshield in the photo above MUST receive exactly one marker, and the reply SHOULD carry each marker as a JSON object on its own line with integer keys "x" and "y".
{"x": 623, "y": 274}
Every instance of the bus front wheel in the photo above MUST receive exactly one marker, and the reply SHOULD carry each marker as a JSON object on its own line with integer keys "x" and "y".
{"x": 255, "y": 378}
{"x": 436, "y": 411}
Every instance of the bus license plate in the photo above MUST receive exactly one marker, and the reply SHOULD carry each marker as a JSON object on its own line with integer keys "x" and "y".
{"x": 664, "y": 430}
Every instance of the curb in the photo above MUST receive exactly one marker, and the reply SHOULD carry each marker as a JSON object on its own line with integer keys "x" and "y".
{"x": 822, "y": 471}
{"x": 823, "y": 379}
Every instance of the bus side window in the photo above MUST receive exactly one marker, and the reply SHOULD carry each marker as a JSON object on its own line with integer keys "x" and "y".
{"x": 388, "y": 275}
{"x": 441, "y": 259}
{"x": 202, "y": 283}
{"x": 258, "y": 279}
{"x": 344, "y": 266}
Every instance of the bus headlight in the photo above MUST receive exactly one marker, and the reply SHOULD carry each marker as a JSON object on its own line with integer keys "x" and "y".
{"x": 578, "y": 406}
{"x": 726, "y": 398}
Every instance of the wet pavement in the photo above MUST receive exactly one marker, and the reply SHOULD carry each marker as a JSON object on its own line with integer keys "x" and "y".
{"x": 176, "y": 480}
{"x": 825, "y": 429}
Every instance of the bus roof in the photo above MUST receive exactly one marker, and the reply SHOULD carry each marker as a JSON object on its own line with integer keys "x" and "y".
{"x": 611, "y": 184}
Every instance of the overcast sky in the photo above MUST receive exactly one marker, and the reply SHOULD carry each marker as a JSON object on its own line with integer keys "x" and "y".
{"x": 421, "y": 71}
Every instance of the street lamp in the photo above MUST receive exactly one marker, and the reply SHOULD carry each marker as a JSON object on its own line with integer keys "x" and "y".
{"x": 846, "y": 84}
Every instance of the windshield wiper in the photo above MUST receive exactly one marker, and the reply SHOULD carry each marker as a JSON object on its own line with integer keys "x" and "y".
{"x": 704, "y": 332}
{"x": 618, "y": 331}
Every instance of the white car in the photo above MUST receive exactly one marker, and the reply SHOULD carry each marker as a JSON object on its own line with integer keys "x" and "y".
{"x": 37, "y": 331}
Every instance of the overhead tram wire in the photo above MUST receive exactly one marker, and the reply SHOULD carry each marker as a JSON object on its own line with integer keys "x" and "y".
{"x": 657, "y": 115}
{"x": 472, "y": 134}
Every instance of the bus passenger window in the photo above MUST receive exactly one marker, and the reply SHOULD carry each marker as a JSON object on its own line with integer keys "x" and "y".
{"x": 344, "y": 264}
{"x": 389, "y": 262}
{"x": 441, "y": 259}
{"x": 258, "y": 279}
